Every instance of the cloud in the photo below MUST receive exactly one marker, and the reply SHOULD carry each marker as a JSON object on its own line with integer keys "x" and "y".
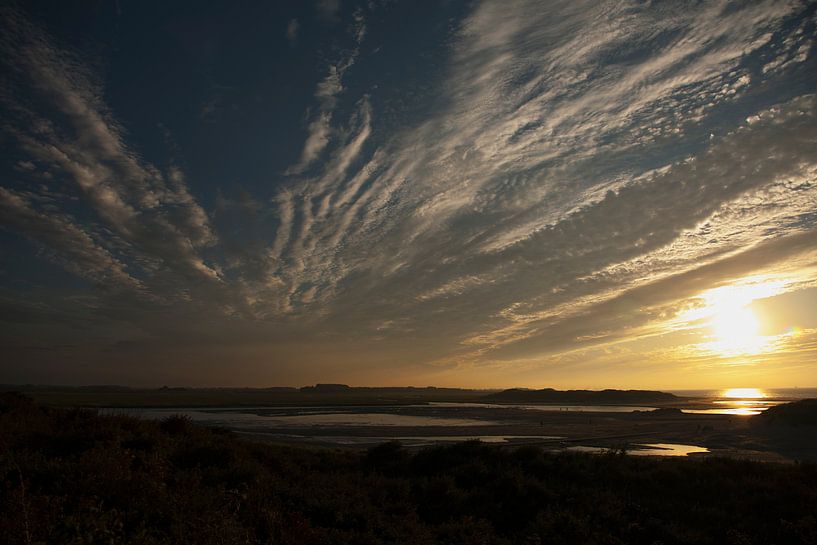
{"x": 328, "y": 10}
{"x": 318, "y": 134}
{"x": 327, "y": 92}
{"x": 65, "y": 242}
{"x": 650, "y": 231}
{"x": 552, "y": 178}
{"x": 359, "y": 26}
{"x": 152, "y": 213}
{"x": 620, "y": 317}
{"x": 292, "y": 31}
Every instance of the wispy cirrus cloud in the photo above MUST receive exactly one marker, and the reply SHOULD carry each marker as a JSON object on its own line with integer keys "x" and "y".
{"x": 554, "y": 176}
{"x": 153, "y": 213}
{"x": 66, "y": 243}
{"x": 327, "y": 92}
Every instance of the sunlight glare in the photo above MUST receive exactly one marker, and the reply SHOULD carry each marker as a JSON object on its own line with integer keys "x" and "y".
{"x": 744, "y": 393}
{"x": 736, "y": 330}
{"x": 735, "y": 327}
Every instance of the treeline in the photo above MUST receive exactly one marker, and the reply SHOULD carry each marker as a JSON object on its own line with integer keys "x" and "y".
{"x": 75, "y": 476}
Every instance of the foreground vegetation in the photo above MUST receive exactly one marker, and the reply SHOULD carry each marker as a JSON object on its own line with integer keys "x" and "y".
{"x": 74, "y": 476}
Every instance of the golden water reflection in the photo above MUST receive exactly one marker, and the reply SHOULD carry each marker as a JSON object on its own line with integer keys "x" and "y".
{"x": 739, "y": 402}
{"x": 744, "y": 393}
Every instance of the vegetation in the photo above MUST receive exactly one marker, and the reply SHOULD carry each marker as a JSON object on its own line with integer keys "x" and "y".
{"x": 74, "y": 476}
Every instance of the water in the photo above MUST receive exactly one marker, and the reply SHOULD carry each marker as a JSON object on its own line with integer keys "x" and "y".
{"x": 667, "y": 449}
{"x": 648, "y": 449}
{"x": 557, "y": 408}
{"x": 327, "y": 425}
{"x": 737, "y": 407}
{"x": 368, "y": 419}
{"x": 735, "y": 401}
{"x": 744, "y": 401}
{"x": 364, "y": 425}
{"x": 249, "y": 420}
{"x": 789, "y": 394}
{"x": 411, "y": 441}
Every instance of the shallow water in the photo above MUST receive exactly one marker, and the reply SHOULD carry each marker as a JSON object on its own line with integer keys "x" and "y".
{"x": 274, "y": 423}
{"x": 412, "y": 441}
{"x": 243, "y": 419}
{"x": 750, "y": 410}
{"x": 720, "y": 400}
{"x": 649, "y": 449}
{"x": 739, "y": 406}
{"x": 549, "y": 408}
{"x": 368, "y": 419}
{"x": 667, "y": 449}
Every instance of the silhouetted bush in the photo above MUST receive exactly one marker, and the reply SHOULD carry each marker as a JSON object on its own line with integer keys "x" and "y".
{"x": 73, "y": 476}
{"x": 175, "y": 424}
{"x": 15, "y": 401}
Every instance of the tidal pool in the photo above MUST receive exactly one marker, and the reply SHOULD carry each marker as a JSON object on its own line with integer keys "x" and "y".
{"x": 647, "y": 449}
{"x": 549, "y": 408}
{"x": 409, "y": 441}
{"x": 245, "y": 419}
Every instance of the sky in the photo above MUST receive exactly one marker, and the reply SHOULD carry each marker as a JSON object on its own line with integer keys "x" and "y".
{"x": 489, "y": 194}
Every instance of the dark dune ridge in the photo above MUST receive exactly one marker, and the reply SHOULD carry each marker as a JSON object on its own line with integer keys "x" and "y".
{"x": 589, "y": 397}
{"x": 798, "y": 413}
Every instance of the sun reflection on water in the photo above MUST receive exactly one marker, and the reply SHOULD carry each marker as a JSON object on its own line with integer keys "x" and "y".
{"x": 739, "y": 402}
{"x": 744, "y": 393}
{"x": 744, "y": 401}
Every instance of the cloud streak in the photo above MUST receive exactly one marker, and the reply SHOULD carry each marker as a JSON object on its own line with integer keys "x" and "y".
{"x": 152, "y": 213}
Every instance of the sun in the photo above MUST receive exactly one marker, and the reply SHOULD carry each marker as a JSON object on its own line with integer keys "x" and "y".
{"x": 734, "y": 326}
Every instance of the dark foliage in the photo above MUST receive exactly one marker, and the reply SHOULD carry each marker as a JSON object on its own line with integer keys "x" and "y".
{"x": 74, "y": 476}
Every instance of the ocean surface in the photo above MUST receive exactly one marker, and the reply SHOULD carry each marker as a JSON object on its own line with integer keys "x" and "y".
{"x": 787, "y": 394}
{"x": 743, "y": 401}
